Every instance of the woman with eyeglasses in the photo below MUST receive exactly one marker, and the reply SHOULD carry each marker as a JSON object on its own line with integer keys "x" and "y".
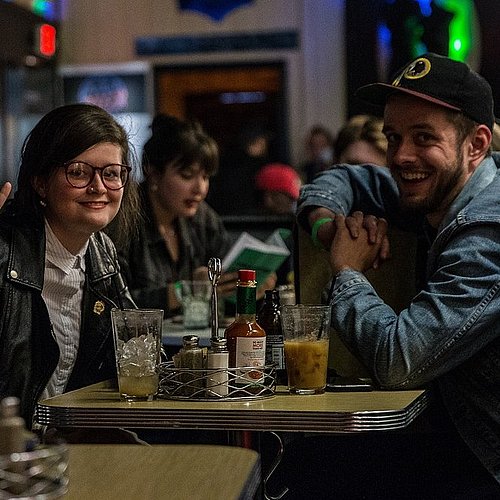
{"x": 59, "y": 272}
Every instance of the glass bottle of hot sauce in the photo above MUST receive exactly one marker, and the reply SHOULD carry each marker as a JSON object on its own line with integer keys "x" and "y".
{"x": 246, "y": 339}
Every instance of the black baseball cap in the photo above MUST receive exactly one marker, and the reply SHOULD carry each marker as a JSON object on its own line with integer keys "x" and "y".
{"x": 441, "y": 80}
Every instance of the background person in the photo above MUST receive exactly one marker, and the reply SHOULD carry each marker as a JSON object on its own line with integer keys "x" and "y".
{"x": 360, "y": 141}
{"x": 438, "y": 121}
{"x": 278, "y": 185}
{"x": 59, "y": 272}
{"x": 179, "y": 231}
{"x": 233, "y": 191}
{"x": 495, "y": 141}
{"x": 319, "y": 149}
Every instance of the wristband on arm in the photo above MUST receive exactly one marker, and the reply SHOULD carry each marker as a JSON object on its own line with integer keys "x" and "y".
{"x": 315, "y": 229}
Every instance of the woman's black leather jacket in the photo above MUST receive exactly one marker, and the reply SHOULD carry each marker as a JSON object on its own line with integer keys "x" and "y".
{"x": 28, "y": 350}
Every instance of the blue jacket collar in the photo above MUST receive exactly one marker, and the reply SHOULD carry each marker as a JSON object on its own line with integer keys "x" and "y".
{"x": 479, "y": 180}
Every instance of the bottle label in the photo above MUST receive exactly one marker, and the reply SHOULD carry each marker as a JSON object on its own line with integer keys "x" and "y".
{"x": 276, "y": 354}
{"x": 250, "y": 351}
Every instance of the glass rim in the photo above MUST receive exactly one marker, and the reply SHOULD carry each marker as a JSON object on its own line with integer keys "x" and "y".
{"x": 306, "y": 306}
{"x": 137, "y": 310}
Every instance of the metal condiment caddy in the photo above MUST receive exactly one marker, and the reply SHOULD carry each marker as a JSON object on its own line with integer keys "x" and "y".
{"x": 201, "y": 375}
{"x": 202, "y": 384}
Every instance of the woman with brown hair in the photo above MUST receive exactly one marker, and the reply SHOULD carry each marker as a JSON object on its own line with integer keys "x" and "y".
{"x": 60, "y": 272}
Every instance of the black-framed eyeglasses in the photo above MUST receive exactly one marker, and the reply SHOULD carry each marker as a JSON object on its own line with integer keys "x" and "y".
{"x": 80, "y": 174}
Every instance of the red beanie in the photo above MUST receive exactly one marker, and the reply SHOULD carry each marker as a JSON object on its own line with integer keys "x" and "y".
{"x": 279, "y": 177}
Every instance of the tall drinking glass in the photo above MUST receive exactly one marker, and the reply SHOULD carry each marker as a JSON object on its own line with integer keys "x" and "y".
{"x": 137, "y": 338}
{"x": 306, "y": 333}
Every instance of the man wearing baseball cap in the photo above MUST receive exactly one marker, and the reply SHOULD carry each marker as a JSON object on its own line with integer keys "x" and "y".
{"x": 442, "y": 181}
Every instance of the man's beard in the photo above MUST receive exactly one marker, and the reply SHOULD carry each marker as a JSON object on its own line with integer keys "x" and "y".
{"x": 436, "y": 198}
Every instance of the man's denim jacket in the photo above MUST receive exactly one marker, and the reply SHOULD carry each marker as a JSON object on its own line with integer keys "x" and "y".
{"x": 451, "y": 330}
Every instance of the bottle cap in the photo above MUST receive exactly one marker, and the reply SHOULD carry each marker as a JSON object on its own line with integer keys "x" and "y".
{"x": 190, "y": 340}
{"x": 218, "y": 342}
{"x": 246, "y": 275}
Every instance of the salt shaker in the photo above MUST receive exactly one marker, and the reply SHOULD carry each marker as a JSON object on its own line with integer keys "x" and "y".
{"x": 218, "y": 357}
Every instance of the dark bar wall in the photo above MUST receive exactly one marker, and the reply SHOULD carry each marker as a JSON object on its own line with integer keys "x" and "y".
{"x": 17, "y": 28}
{"x": 488, "y": 12}
{"x": 362, "y": 19}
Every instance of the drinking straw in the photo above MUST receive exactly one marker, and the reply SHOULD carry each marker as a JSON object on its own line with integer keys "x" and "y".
{"x": 320, "y": 331}
{"x": 330, "y": 290}
{"x": 330, "y": 295}
{"x": 191, "y": 268}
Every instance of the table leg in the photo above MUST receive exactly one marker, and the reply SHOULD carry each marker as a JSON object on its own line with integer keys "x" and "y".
{"x": 244, "y": 439}
{"x": 273, "y": 467}
{"x": 249, "y": 439}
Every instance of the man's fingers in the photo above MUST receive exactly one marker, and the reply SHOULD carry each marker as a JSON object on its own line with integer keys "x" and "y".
{"x": 381, "y": 229}
{"x": 354, "y": 223}
{"x": 385, "y": 249}
{"x": 340, "y": 223}
{"x": 371, "y": 224}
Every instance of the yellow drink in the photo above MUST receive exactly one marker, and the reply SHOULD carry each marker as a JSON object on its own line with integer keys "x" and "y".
{"x": 138, "y": 388}
{"x": 306, "y": 365}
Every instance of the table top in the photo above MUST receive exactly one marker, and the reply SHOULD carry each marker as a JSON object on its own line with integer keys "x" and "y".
{"x": 99, "y": 405}
{"x": 176, "y": 472}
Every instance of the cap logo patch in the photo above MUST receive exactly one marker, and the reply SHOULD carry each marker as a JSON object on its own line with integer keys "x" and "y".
{"x": 415, "y": 70}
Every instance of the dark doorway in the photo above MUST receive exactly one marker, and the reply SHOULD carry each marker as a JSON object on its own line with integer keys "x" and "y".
{"x": 227, "y": 98}
{"x": 222, "y": 114}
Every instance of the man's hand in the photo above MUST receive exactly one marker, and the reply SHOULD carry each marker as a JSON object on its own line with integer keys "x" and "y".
{"x": 360, "y": 243}
{"x": 326, "y": 232}
{"x": 4, "y": 193}
{"x": 371, "y": 223}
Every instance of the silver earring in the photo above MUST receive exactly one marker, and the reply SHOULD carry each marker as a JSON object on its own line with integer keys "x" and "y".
{"x": 43, "y": 203}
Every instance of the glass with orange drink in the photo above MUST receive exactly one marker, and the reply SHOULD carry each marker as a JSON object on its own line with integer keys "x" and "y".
{"x": 306, "y": 332}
